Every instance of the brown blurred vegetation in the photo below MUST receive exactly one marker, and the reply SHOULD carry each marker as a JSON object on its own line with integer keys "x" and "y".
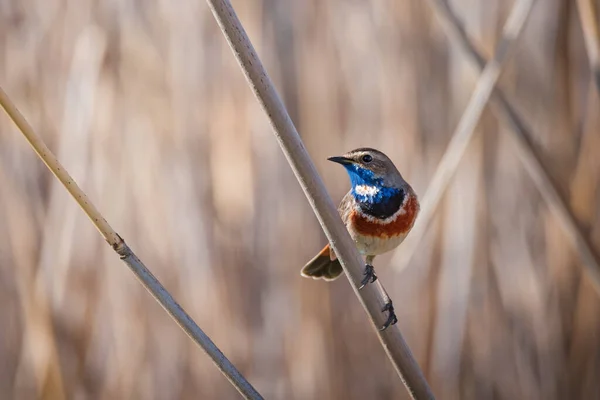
{"x": 144, "y": 104}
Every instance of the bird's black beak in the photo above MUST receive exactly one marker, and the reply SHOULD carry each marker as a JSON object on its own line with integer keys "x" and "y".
{"x": 341, "y": 160}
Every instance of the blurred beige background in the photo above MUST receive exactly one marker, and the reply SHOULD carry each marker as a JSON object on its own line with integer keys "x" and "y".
{"x": 145, "y": 105}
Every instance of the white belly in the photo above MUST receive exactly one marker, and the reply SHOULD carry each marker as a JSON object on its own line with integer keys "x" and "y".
{"x": 373, "y": 246}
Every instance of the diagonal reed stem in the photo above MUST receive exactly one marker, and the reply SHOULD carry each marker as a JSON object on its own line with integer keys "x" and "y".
{"x": 465, "y": 130}
{"x": 133, "y": 262}
{"x": 521, "y": 137}
{"x": 285, "y": 132}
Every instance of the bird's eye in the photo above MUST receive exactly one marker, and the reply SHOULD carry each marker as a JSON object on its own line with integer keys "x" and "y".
{"x": 367, "y": 158}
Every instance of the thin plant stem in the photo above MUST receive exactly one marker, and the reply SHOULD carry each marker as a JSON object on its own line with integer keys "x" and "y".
{"x": 152, "y": 284}
{"x": 286, "y": 134}
{"x": 464, "y": 131}
{"x": 521, "y": 138}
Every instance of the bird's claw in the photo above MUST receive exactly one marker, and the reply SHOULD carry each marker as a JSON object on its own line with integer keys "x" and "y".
{"x": 392, "y": 319}
{"x": 369, "y": 276}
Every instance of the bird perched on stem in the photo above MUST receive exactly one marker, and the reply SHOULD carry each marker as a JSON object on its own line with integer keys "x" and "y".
{"x": 378, "y": 211}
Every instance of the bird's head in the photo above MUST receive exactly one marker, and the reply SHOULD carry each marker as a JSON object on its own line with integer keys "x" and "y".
{"x": 370, "y": 168}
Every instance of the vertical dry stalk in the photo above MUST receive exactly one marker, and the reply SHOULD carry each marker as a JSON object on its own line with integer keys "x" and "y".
{"x": 396, "y": 348}
{"x": 133, "y": 262}
{"x": 40, "y": 348}
{"x": 465, "y": 130}
{"x": 528, "y": 155}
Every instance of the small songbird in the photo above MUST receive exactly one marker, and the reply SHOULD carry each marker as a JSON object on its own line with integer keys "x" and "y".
{"x": 378, "y": 211}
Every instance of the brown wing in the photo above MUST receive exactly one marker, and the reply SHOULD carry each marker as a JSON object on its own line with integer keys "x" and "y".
{"x": 345, "y": 207}
{"x": 325, "y": 265}
{"x": 345, "y": 210}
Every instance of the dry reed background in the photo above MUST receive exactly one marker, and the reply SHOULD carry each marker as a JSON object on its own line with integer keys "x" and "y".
{"x": 144, "y": 104}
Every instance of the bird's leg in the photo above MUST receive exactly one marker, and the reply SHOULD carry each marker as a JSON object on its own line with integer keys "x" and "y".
{"x": 389, "y": 307}
{"x": 369, "y": 272}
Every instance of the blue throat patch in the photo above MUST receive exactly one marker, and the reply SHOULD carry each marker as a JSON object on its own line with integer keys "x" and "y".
{"x": 381, "y": 204}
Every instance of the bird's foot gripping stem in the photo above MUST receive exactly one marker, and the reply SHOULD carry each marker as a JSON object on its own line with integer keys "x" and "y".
{"x": 392, "y": 319}
{"x": 369, "y": 276}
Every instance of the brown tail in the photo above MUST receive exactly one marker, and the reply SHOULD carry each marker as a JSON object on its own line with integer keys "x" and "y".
{"x": 322, "y": 266}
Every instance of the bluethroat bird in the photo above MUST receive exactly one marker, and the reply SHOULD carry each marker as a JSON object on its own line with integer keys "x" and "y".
{"x": 378, "y": 211}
